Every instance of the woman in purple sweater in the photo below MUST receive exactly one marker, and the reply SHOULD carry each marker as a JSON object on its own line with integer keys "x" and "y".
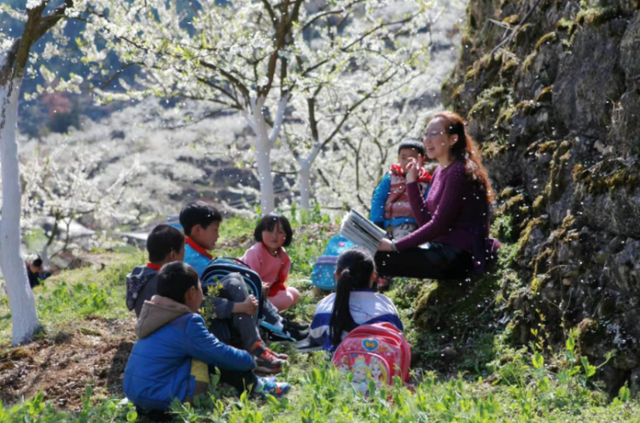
{"x": 453, "y": 237}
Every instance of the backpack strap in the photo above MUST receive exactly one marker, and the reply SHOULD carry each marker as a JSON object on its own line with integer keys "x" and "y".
{"x": 237, "y": 260}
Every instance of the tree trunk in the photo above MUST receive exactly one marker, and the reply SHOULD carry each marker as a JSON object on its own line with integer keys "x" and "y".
{"x": 263, "y": 157}
{"x": 23, "y": 307}
{"x": 305, "y": 184}
{"x": 305, "y": 175}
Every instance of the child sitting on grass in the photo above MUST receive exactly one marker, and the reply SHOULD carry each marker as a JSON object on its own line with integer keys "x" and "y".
{"x": 165, "y": 244}
{"x": 353, "y": 304}
{"x": 390, "y": 207}
{"x": 174, "y": 348}
{"x": 270, "y": 261}
{"x": 232, "y": 306}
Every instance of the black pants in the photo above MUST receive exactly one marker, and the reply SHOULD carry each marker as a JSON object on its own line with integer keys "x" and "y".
{"x": 433, "y": 261}
{"x": 241, "y": 381}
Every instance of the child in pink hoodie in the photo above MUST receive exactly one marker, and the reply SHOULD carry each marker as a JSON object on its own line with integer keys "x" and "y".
{"x": 269, "y": 260}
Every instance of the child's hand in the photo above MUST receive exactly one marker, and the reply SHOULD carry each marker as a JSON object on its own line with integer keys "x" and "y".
{"x": 413, "y": 167}
{"x": 265, "y": 288}
{"x": 248, "y": 306}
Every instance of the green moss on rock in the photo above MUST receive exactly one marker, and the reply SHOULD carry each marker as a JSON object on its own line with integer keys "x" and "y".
{"x": 565, "y": 25}
{"x": 511, "y": 20}
{"x": 607, "y": 177}
{"x": 545, "y": 95}
{"x": 505, "y": 116}
{"x": 538, "y": 204}
{"x": 549, "y": 38}
{"x": 556, "y": 186}
{"x": 527, "y": 107}
{"x": 596, "y": 16}
{"x": 526, "y": 233}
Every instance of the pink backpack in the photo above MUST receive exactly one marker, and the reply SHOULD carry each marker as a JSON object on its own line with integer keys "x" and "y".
{"x": 376, "y": 352}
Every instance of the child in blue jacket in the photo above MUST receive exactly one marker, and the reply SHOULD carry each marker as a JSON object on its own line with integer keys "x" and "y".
{"x": 390, "y": 207}
{"x": 175, "y": 351}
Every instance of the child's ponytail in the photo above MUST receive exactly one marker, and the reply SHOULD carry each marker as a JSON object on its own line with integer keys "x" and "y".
{"x": 354, "y": 269}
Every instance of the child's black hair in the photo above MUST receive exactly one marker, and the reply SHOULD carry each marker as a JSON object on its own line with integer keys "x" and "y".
{"x": 37, "y": 262}
{"x": 175, "y": 279}
{"x": 198, "y": 213}
{"x": 354, "y": 269}
{"x": 268, "y": 222}
{"x": 162, "y": 240}
{"x": 411, "y": 145}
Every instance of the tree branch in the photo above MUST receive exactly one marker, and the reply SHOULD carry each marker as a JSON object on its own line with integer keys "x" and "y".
{"x": 271, "y": 13}
{"x": 235, "y": 81}
{"x": 354, "y": 106}
{"x": 279, "y": 43}
{"x": 222, "y": 90}
{"x": 117, "y": 74}
{"x": 320, "y": 15}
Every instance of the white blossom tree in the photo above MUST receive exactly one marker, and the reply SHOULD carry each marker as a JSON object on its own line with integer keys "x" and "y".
{"x": 14, "y": 55}
{"x": 69, "y": 183}
{"x": 348, "y": 171}
{"x": 263, "y": 59}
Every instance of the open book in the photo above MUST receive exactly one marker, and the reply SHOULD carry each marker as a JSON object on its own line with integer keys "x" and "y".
{"x": 361, "y": 231}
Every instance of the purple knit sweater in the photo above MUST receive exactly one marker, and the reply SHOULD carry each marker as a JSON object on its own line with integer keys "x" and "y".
{"x": 455, "y": 213}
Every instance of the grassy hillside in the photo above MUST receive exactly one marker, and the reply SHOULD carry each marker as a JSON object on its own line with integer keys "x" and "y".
{"x": 464, "y": 372}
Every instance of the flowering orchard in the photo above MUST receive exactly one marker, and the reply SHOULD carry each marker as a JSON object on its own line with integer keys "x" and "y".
{"x": 317, "y": 68}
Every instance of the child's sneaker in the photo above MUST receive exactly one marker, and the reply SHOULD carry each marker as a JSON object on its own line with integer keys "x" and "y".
{"x": 269, "y": 386}
{"x": 281, "y": 356}
{"x": 266, "y": 362}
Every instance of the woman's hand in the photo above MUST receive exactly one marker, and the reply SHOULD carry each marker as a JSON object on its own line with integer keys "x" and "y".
{"x": 413, "y": 169}
{"x": 385, "y": 245}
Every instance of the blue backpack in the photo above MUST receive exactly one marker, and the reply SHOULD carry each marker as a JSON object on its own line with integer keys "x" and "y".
{"x": 323, "y": 274}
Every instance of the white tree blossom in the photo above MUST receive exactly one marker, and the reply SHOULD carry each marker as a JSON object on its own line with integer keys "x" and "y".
{"x": 269, "y": 61}
{"x": 70, "y": 182}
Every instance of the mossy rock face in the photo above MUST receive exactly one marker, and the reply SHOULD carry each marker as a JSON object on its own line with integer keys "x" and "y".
{"x": 549, "y": 38}
{"x": 452, "y": 305}
{"x": 560, "y": 144}
{"x": 596, "y": 16}
{"x": 607, "y": 177}
{"x": 479, "y": 11}
{"x": 587, "y": 78}
{"x": 486, "y": 111}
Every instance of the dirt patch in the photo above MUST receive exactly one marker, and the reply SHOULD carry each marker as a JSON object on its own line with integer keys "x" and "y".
{"x": 96, "y": 353}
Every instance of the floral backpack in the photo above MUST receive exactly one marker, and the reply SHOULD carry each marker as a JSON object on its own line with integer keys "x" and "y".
{"x": 374, "y": 352}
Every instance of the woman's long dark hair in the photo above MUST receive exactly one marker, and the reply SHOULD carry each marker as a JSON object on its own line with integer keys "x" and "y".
{"x": 354, "y": 269}
{"x": 466, "y": 150}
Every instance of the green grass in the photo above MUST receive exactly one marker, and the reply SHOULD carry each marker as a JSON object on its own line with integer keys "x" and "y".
{"x": 494, "y": 381}
{"x": 73, "y": 295}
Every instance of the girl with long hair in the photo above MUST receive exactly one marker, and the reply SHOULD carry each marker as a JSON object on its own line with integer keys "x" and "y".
{"x": 453, "y": 237}
{"x": 353, "y": 304}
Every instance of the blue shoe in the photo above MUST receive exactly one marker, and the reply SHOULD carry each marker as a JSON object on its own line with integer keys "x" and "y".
{"x": 269, "y": 386}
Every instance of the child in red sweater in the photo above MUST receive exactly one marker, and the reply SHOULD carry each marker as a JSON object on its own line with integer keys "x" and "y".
{"x": 271, "y": 262}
